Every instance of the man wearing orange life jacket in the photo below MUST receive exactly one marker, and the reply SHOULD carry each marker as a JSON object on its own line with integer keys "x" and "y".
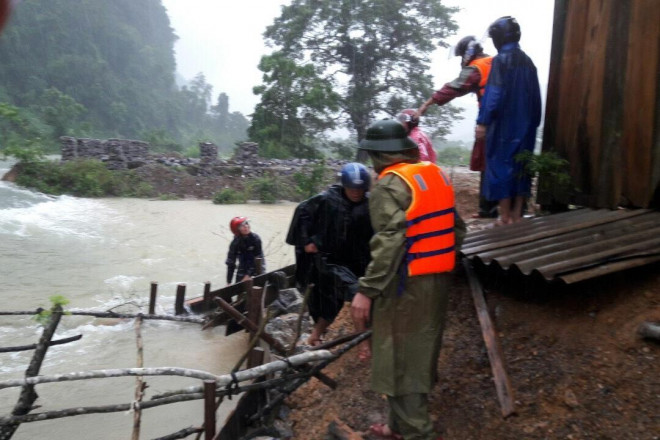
{"x": 404, "y": 291}
{"x": 475, "y": 68}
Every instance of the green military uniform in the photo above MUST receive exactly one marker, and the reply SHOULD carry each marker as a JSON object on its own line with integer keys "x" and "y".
{"x": 407, "y": 319}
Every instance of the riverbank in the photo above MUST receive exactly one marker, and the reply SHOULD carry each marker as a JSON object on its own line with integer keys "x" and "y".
{"x": 576, "y": 364}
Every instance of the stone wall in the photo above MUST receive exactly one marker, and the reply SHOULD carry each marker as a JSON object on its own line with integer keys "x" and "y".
{"x": 121, "y": 154}
{"x": 118, "y": 154}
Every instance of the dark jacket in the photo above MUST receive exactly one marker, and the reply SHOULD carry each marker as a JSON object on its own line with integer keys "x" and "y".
{"x": 245, "y": 249}
{"x": 341, "y": 231}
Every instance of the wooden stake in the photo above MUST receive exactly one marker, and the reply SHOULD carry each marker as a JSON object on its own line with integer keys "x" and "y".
{"x": 152, "y": 298}
{"x": 180, "y": 299}
{"x": 209, "y": 409}
{"x": 139, "y": 383}
{"x": 254, "y": 314}
{"x": 208, "y": 299}
{"x": 256, "y": 357}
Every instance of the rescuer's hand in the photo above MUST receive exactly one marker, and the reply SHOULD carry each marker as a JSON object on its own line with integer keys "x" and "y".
{"x": 311, "y": 248}
{"x": 480, "y": 132}
{"x": 360, "y": 307}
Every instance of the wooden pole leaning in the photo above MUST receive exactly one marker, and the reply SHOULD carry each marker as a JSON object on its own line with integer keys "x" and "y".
{"x": 28, "y": 394}
{"x": 502, "y": 382}
{"x": 274, "y": 343}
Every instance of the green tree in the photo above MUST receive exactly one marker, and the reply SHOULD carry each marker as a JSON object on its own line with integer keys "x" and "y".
{"x": 227, "y": 127}
{"x": 221, "y": 111}
{"x": 375, "y": 53}
{"x": 59, "y": 110}
{"x": 114, "y": 58}
{"x": 295, "y": 107}
{"x": 20, "y": 134}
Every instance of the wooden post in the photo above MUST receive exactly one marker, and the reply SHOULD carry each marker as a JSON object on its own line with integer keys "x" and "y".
{"x": 253, "y": 308}
{"x": 248, "y": 284}
{"x": 208, "y": 300}
{"x": 180, "y": 299}
{"x": 209, "y": 409}
{"x": 259, "y": 265}
{"x": 256, "y": 357}
{"x": 140, "y": 385}
{"x": 152, "y": 298}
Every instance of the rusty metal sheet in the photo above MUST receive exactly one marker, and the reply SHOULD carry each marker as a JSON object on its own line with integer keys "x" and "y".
{"x": 571, "y": 246}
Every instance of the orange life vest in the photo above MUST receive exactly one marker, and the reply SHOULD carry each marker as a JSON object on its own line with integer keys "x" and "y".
{"x": 430, "y": 218}
{"x": 483, "y": 65}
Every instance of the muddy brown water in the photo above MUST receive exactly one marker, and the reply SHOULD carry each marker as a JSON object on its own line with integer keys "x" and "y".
{"x": 105, "y": 253}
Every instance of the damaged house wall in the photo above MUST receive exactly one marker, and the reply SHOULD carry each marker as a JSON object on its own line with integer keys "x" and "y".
{"x": 603, "y": 102}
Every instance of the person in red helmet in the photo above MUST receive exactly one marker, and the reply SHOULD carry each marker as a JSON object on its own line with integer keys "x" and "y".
{"x": 410, "y": 121}
{"x": 246, "y": 248}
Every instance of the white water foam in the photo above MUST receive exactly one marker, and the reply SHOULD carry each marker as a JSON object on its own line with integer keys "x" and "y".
{"x": 35, "y": 213}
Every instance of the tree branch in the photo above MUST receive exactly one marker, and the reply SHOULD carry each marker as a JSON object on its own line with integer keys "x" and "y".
{"x": 190, "y": 319}
{"x": 223, "y": 380}
{"x": 33, "y": 346}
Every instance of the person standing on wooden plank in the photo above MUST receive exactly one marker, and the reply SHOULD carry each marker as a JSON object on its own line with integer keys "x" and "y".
{"x": 331, "y": 233}
{"x": 246, "y": 248}
{"x": 475, "y": 68}
{"x": 509, "y": 115}
{"x": 404, "y": 291}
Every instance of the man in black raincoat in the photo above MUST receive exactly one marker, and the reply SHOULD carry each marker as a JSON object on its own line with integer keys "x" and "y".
{"x": 331, "y": 233}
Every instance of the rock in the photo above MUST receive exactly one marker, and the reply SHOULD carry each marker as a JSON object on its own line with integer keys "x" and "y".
{"x": 283, "y": 328}
{"x": 570, "y": 400}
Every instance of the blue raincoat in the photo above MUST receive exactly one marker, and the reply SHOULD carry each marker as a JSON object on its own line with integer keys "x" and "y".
{"x": 511, "y": 108}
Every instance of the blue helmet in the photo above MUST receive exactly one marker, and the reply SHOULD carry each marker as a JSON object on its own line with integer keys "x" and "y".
{"x": 355, "y": 175}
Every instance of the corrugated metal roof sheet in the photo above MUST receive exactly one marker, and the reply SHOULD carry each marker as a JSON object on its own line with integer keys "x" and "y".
{"x": 571, "y": 246}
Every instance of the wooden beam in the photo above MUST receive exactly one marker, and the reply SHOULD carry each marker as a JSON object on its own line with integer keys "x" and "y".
{"x": 197, "y": 304}
{"x": 502, "y": 383}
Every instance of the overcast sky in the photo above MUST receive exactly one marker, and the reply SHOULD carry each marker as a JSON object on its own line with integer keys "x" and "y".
{"x": 223, "y": 39}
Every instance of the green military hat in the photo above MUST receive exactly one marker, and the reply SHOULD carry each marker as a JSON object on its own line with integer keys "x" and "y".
{"x": 386, "y": 135}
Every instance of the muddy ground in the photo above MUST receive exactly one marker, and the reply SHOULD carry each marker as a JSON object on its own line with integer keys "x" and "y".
{"x": 576, "y": 364}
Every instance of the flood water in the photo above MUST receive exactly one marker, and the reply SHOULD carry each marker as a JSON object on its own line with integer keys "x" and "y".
{"x": 104, "y": 253}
